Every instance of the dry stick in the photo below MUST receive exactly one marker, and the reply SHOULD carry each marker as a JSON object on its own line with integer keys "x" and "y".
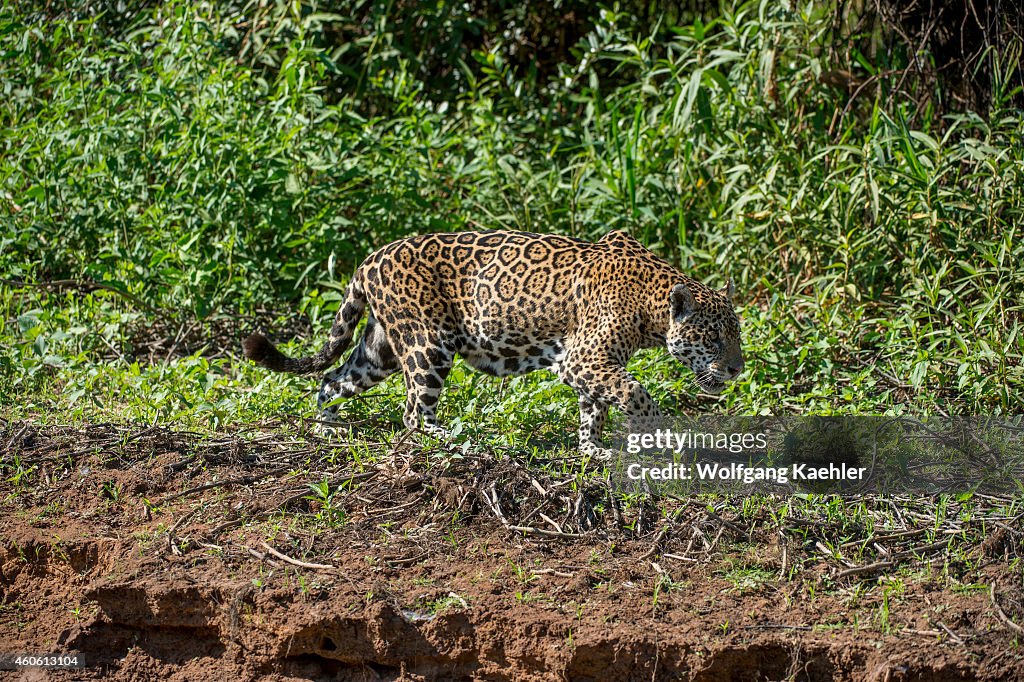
{"x": 892, "y": 536}
{"x": 74, "y": 454}
{"x": 923, "y": 633}
{"x": 655, "y": 543}
{"x": 777, "y": 626}
{"x": 178, "y": 338}
{"x": 296, "y": 562}
{"x": 497, "y": 501}
{"x": 620, "y": 521}
{"x": 529, "y": 530}
{"x": 613, "y": 505}
{"x": 714, "y": 543}
{"x": 868, "y": 568}
{"x": 172, "y": 533}
{"x": 551, "y": 521}
{"x": 677, "y": 557}
{"x": 495, "y": 506}
{"x": 567, "y": 481}
{"x": 856, "y": 93}
{"x": 535, "y": 511}
{"x": 784, "y": 564}
{"x": 551, "y": 571}
{"x": 695, "y": 533}
{"x": 820, "y": 546}
{"x": 989, "y": 450}
{"x": 407, "y": 561}
{"x": 15, "y": 437}
{"x": 577, "y": 508}
{"x": 141, "y": 434}
{"x": 951, "y": 634}
{"x": 260, "y": 555}
{"x": 391, "y": 510}
{"x": 465, "y": 496}
{"x": 1002, "y": 614}
{"x": 920, "y": 550}
{"x": 347, "y": 445}
{"x": 726, "y": 522}
{"x": 404, "y": 437}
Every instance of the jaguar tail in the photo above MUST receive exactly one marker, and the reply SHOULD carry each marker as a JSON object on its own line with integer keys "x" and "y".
{"x": 260, "y": 350}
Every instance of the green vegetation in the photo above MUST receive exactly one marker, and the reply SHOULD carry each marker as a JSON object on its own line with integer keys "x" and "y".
{"x": 167, "y": 179}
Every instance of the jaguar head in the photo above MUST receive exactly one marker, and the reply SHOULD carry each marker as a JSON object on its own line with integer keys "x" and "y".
{"x": 704, "y": 334}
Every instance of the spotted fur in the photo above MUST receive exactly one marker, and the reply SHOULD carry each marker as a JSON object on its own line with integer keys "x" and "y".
{"x": 513, "y": 302}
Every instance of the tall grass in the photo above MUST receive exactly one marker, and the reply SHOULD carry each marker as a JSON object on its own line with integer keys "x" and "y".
{"x": 876, "y": 263}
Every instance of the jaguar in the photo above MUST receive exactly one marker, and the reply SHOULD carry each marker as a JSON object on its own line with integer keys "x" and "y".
{"x": 513, "y": 302}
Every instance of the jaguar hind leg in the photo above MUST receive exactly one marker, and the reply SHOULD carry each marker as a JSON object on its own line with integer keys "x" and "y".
{"x": 370, "y": 363}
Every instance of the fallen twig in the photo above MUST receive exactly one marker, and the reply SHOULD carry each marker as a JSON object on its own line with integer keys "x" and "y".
{"x": 260, "y": 555}
{"x": 1007, "y": 621}
{"x": 172, "y": 534}
{"x": 679, "y": 558}
{"x": 656, "y": 543}
{"x": 552, "y": 522}
{"x": 777, "y": 626}
{"x": 551, "y": 571}
{"x": 867, "y": 568}
{"x": 406, "y": 561}
{"x": 530, "y": 530}
{"x": 952, "y": 635}
{"x": 296, "y": 562}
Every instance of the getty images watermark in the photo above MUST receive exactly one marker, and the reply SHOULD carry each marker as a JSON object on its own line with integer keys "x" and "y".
{"x": 733, "y": 443}
{"x": 825, "y": 455}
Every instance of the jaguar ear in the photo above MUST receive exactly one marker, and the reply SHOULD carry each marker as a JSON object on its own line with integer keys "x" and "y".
{"x": 682, "y": 302}
{"x": 730, "y": 290}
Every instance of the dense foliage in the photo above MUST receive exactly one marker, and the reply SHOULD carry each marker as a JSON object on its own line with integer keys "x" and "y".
{"x": 195, "y": 160}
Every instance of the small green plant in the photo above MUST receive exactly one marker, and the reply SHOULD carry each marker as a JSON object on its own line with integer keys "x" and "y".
{"x": 328, "y": 513}
{"x": 522, "y": 573}
{"x": 882, "y": 616}
{"x": 746, "y": 578}
{"x": 19, "y": 472}
{"x": 449, "y": 602}
{"x": 662, "y": 584}
{"x": 112, "y": 491}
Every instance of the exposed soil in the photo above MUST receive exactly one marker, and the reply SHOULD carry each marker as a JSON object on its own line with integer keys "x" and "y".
{"x": 152, "y": 553}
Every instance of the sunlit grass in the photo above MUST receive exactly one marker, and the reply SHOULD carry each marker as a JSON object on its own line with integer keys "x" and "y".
{"x": 876, "y": 265}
